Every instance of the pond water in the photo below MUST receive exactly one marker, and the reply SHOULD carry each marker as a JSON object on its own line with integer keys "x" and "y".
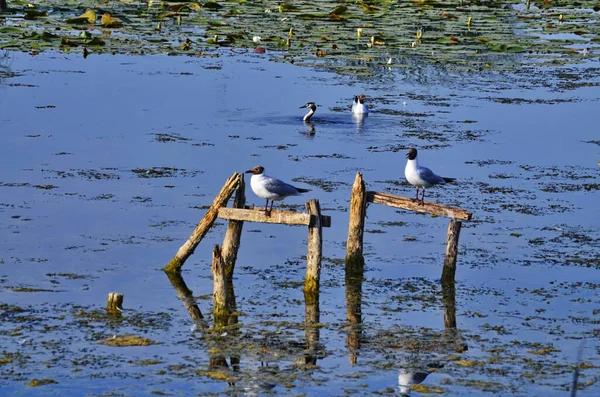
{"x": 109, "y": 162}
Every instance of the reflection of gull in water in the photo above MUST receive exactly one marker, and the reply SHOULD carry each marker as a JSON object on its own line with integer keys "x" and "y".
{"x": 407, "y": 378}
{"x": 262, "y": 380}
{"x": 359, "y": 120}
{"x": 413, "y": 376}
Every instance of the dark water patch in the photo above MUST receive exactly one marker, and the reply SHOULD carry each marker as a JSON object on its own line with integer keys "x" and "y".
{"x": 485, "y": 163}
{"x": 325, "y": 185}
{"x": 164, "y": 172}
{"x": 164, "y": 137}
{"x": 520, "y": 101}
{"x": 569, "y": 187}
{"x": 328, "y": 156}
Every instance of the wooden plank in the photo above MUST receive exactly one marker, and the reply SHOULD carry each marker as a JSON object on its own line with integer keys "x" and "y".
{"x": 412, "y": 205}
{"x": 257, "y": 214}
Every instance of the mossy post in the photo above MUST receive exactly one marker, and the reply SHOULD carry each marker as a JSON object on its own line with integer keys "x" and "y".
{"x": 315, "y": 249}
{"x": 231, "y": 242}
{"x": 115, "y": 303}
{"x": 205, "y": 224}
{"x": 222, "y": 305}
{"x": 356, "y": 226}
{"x": 3, "y": 5}
{"x": 449, "y": 271}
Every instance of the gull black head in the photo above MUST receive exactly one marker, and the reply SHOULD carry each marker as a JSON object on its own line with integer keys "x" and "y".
{"x": 259, "y": 169}
{"x": 411, "y": 154}
{"x": 361, "y": 98}
{"x": 310, "y": 105}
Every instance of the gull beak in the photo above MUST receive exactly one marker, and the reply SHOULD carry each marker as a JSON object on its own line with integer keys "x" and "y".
{"x": 407, "y": 155}
{"x": 302, "y": 107}
{"x": 248, "y": 172}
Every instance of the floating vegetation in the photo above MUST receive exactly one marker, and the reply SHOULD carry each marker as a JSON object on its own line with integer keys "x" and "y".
{"x": 355, "y": 38}
{"x": 128, "y": 340}
{"x": 41, "y": 382}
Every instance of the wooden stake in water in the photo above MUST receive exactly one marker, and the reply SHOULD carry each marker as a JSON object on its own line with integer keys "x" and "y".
{"x": 449, "y": 271}
{"x": 222, "y": 306}
{"x": 315, "y": 248}
{"x": 356, "y": 226}
{"x": 231, "y": 242}
{"x": 115, "y": 302}
{"x": 205, "y": 224}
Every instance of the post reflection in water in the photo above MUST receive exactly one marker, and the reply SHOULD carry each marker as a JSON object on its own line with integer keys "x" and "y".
{"x": 259, "y": 377}
{"x": 186, "y": 296}
{"x": 413, "y": 370}
{"x": 311, "y": 326}
{"x": 354, "y": 280}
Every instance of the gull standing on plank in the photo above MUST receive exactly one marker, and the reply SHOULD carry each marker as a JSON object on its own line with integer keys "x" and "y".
{"x": 313, "y": 109}
{"x": 271, "y": 188}
{"x": 358, "y": 105}
{"x": 421, "y": 177}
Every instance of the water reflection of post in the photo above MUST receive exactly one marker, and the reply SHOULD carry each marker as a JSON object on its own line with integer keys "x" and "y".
{"x": 354, "y": 280}
{"x": 186, "y": 296}
{"x": 311, "y": 326}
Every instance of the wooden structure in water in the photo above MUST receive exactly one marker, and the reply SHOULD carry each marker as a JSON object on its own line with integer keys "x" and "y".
{"x": 358, "y": 210}
{"x": 224, "y": 257}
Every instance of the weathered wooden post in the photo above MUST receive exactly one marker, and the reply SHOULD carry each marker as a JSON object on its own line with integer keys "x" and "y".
{"x": 231, "y": 242}
{"x": 449, "y": 271}
{"x": 449, "y": 303}
{"x": 187, "y": 297}
{"x": 222, "y": 306}
{"x": 205, "y": 224}
{"x": 358, "y": 210}
{"x": 315, "y": 248}
{"x": 115, "y": 303}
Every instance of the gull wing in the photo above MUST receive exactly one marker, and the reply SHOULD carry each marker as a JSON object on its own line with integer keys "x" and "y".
{"x": 280, "y": 188}
{"x": 428, "y": 176}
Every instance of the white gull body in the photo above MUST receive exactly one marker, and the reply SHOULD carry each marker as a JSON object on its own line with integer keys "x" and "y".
{"x": 359, "y": 107}
{"x": 269, "y": 188}
{"x": 419, "y": 176}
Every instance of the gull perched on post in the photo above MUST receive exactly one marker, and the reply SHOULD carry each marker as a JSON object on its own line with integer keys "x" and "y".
{"x": 421, "y": 177}
{"x": 271, "y": 188}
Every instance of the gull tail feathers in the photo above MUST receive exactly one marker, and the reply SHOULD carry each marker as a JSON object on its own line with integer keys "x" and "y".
{"x": 449, "y": 180}
{"x": 302, "y": 190}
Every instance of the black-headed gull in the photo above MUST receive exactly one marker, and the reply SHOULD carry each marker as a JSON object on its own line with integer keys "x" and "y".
{"x": 359, "y": 107}
{"x": 421, "y": 177}
{"x": 271, "y": 188}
